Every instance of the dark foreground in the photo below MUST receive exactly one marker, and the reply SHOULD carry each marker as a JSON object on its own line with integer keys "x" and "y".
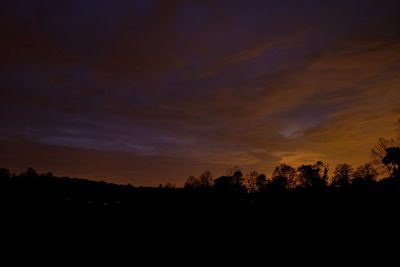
{"x": 52, "y": 195}
{"x": 50, "y": 221}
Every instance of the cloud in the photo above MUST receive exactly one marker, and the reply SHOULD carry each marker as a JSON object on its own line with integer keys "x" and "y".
{"x": 197, "y": 84}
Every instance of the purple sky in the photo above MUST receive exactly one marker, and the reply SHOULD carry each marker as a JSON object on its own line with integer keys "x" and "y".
{"x": 148, "y": 92}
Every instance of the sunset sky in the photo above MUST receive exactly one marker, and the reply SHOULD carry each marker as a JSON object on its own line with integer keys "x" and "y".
{"x": 148, "y": 92}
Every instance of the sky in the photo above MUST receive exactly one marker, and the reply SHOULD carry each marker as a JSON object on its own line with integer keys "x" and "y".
{"x": 148, "y": 92}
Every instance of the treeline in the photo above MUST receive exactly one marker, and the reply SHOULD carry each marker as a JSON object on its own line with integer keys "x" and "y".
{"x": 379, "y": 177}
{"x": 385, "y": 165}
{"x": 286, "y": 179}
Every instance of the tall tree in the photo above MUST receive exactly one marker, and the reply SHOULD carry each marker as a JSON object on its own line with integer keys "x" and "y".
{"x": 231, "y": 171}
{"x": 287, "y": 173}
{"x": 206, "y": 179}
{"x": 251, "y": 181}
{"x": 342, "y": 175}
{"x": 392, "y": 161}
{"x": 313, "y": 175}
{"x": 192, "y": 183}
{"x": 238, "y": 180}
{"x": 379, "y": 151}
{"x": 261, "y": 182}
{"x": 365, "y": 173}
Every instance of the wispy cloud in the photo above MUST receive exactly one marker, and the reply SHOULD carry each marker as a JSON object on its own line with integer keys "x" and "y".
{"x": 197, "y": 85}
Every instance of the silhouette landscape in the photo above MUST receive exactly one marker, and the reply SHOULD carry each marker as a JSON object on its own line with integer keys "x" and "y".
{"x": 235, "y": 190}
{"x": 198, "y": 107}
{"x": 125, "y": 124}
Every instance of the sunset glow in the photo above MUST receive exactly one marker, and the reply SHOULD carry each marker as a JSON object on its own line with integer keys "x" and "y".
{"x": 149, "y": 92}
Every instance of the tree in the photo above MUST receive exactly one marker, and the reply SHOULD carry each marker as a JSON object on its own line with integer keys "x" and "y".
{"x": 323, "y": 169}
{"x": 231, "y": 171}
{"x": 192, "y": 183}
{"x": 287, "y": 173}
{"x": 307, "y": 175}
{"x": 30, "y": 172}
{"x": 365, "y": 174}
{"x": 261, "y": 182}
{"x": 342, "y": 175}
{"x": 231, "y": 183}
{"x": 238, "y": 179}
{"x": 392, "y": 161}
{"x": 251, "y": 181}
{"x": 313, "y": 175}
{"x": 379, "y": 151}
{"x": 169, "y": 186}
{"x": 204, "y": 181}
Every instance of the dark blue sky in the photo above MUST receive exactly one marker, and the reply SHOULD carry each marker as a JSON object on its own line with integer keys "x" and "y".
{"x": 149, "y": 92}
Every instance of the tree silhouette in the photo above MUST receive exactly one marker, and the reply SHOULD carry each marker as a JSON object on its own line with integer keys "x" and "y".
{"x": 192, "y": 183}
{"x": 238, "y": 180}
{"x": 392, "y": 161}
{"x": 261, "y": 182}
{"x": 30, "y": 172}
{"x": 324, "y": 168}
{"x": 231, "y": 171}
{"x": 205, "y": 181}
{"x": 365, "y": 174}
{"x": 237, "y": 191}
{"x": 169, "y": 186}
{"x": 342, "y": 175}
{"x": 379, "y": 152}
{"x": 231, "y": 183}
{"x": 285, "y": 173}
{"x": 251, "y": 181}
{"x": 313, "y": 175}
